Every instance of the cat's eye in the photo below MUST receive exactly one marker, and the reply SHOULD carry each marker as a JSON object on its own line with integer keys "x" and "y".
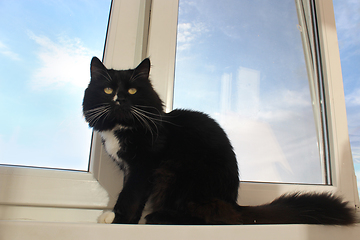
{"x": 132, "y": 91}
{"x": 108, "y": 90}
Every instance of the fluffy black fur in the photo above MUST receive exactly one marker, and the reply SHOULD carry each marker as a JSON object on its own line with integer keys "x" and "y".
{"x": 182, "y": 161}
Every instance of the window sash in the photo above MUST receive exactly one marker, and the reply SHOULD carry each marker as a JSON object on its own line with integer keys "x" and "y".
{"x": 309, "y": 36}
{"x": 162, "y": 27}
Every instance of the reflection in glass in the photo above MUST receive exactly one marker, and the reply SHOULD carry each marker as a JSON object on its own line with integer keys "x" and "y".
{"x": 243, "y": 63}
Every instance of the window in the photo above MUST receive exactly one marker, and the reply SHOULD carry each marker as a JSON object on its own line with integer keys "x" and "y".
{"x": 45, "y": 52}
{"x": 154, "y": 35}
{"x": 339, "y": 172}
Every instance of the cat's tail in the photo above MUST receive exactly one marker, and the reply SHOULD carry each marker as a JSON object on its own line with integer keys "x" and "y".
{"x": 300, "y": 208}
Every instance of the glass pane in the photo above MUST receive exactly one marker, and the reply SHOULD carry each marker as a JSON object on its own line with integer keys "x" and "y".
{"x": 45, "y": 53}
{"x": 347, "y": 24}
{"x": 243, "y": 63}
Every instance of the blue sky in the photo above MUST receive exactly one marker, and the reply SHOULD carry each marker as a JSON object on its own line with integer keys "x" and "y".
{"x": 45, "y": 52}
{"x": 46, "y": 47}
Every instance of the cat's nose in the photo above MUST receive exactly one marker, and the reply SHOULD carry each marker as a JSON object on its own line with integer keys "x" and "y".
{"x": 120, "y": 100}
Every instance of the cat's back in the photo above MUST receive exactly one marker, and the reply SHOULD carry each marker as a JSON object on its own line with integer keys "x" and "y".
{"x": 190, "y": 120}
{"x": 196, "y": 128}
{"x": 186, "y": 117}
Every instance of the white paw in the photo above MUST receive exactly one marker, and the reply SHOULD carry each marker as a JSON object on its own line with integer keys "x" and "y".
{"x": 106, "y": 217}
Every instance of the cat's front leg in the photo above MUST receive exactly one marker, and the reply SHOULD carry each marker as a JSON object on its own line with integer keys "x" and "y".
{"x": 131, "y": 201}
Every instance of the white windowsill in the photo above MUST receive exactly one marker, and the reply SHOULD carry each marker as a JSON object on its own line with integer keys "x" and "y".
{"x": 50, "y": 188}
{"x": 50, "y": 195}
{"x": 47, "y": 230}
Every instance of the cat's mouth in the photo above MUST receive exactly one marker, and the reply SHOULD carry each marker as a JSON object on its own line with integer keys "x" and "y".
{"x": 122, "y": 115}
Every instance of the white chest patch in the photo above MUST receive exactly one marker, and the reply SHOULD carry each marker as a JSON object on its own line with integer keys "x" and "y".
{"x": 111, "y": 143}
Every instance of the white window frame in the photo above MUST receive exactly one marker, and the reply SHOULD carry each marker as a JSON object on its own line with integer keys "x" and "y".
{"x": 71, "y": 196}
{"x": 162, "y": 51}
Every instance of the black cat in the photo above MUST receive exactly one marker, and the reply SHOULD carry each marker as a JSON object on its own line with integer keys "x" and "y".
{"x": 182, "y": 161}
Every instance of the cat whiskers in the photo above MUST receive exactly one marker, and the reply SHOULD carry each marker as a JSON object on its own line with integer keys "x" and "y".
{"x": 149, "y": 123}
{"x": 159, "y": 115}
{"x": 95, "y": 114}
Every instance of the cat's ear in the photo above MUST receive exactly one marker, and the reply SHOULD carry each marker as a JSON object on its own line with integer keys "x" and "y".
{"x": 96, "y": 68}
{"x": 143, "y": 69}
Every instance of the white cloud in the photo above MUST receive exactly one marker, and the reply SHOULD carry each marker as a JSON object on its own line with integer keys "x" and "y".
{"x": 347, "y": 19}
{"x": 184, "y": 34}
{"x": 65, "y": 61}
{"x": 6, "y": 51}
{"x": 353, "y": 99}
{"x": 296, "y": 98}
{"x": 285, "y": 104}
{"x": 188, "y": 33}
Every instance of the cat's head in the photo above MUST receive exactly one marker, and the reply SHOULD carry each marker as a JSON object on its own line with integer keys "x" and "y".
{"x": 120, "y": 97}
